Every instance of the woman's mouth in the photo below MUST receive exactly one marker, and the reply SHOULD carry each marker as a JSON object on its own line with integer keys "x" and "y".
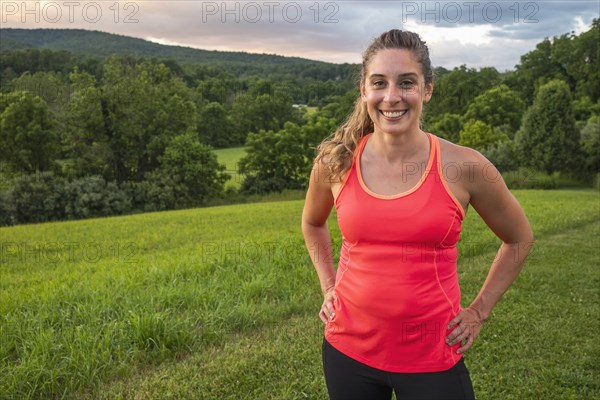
{"x": 393, "y": 114}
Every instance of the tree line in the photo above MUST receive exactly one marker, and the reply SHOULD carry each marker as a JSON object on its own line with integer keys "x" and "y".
{"x": 82, "y": 137}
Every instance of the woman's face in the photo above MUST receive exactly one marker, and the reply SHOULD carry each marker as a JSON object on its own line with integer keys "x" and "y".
{"x": 394, "y": 90}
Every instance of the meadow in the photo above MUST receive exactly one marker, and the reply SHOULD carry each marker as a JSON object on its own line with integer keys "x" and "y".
{"x": 222, "y": 302}
{"x": 230, "y": 157}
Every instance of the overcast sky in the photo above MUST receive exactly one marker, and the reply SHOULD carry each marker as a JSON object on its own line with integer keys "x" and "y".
{"x": 475, "y": 33}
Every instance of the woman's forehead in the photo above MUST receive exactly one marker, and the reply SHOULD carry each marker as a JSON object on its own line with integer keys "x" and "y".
{"x": 394, "y": 62}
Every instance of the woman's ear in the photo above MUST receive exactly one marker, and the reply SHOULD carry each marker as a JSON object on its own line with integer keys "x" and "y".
{"x": 363, "y": 94}
{"x": 428, "y": 92}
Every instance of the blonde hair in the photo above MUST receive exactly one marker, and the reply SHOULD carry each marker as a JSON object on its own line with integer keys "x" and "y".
{"x": 338, "y": 149}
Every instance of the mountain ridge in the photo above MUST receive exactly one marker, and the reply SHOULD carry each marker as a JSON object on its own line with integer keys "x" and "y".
{"x": 102, "y": 44}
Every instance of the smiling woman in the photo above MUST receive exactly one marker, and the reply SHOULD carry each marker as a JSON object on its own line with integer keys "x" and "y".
{"x": 392, "y": 311}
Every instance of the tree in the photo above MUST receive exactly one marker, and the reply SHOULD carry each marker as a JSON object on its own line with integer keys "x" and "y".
{"x": 215, "y": 126}
{"x": 283, "y": 159}
{"x": 28, "y": 140}
{"x": 570, "y": 58}
{"x": 143, "y": 108}
{"x": 496, "y": 107}
{"x": 339, "y": 106}
{"x": 590, "y": 143}
{"x": 86, "y": 135}
{"x": 587, "y": 53}
{"x": 220, "y": 89}
{"x": 275, "y": 160}
{"x": 264, "y": 107}
{"x": 50, "y": 86}
{"x": 195, "y": 166}
{"x": 479, "y": 135}
{"x": 37, "y": 197}
{"x": 535, "y": 68}
{"x": 503, "y": 156}
{"x": 447, "y": 127}
{"x": 548, "y": 139}
{"x": 455, "y": 90}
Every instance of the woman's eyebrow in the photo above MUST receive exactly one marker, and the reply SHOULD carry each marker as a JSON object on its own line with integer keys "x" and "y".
{"x": 404, "y": 75}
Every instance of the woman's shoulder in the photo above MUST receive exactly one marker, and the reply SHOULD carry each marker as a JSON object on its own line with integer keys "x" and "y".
{"x": 468, "y": 166}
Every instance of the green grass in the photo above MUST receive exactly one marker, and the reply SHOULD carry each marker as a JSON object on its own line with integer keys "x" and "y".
{"x": 221, "y": 302}
{"x": 231, "y": 157}
{"x": 311, "y": 110}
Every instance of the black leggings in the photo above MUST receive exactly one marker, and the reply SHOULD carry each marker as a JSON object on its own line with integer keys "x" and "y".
{"x": 348, "y": 379}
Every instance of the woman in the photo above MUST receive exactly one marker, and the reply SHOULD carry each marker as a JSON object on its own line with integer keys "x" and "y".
{"x": 392, "y": 311}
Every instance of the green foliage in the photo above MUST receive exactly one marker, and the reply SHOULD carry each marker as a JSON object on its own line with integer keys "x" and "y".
{"x": 231, "y": 157}
{"x": 116, "y": 116}
{"x": 306, "y": 80}
{"x": 570, "y": 58}
{"x": 265, "y": 106}
{"x": 339, "y": 107}
{"x": 195, "y": 166}
{"x": 219, "y": 89}
{"x": 157, "y": 192}
{"x": 88, "y": 132}
{"x": 496, "y": 107}
{"x": 143, "y": 107}
{"x": 525, "y": 178}
{"x": 92, "y": 196}
{"x": 590, "y": 143}
{"x": 15, "y": 62}
{"x": 6, "y": 209}
{"x": 448, "y": 126}
{"x": 586, "y": 60}
{"x": 548, "y": 139}
{"x": 28, "y": 139}
{"x": 455, "y": 90}
{"x": 479, "y": 135}
{"x": 216, "y": 127}
{"x": 37, "y": 197}
{"x": 503, "y": 155}
{"x": 275, "y": 161}
{"x": 49, "y": 86}
{"x": 584, "y": 109}
{"x": 282, "y": 160}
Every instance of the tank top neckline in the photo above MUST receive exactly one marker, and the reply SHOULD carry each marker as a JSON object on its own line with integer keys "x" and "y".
{"x": 363, "y": 185}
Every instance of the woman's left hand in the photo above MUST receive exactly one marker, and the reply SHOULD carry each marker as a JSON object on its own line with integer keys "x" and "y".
{"x": 468, "y": 324}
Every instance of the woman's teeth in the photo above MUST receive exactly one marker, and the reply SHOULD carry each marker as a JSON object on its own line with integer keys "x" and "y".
{"x": 393, "y": 114}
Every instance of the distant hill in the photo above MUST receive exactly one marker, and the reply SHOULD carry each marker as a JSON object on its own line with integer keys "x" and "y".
{"x": 102, "y": 44}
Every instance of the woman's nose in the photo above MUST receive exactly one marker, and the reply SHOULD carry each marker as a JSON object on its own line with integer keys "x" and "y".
{"x": 393, "y": 94}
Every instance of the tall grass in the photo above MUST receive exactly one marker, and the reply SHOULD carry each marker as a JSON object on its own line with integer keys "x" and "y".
{"x": 88, "y": 308}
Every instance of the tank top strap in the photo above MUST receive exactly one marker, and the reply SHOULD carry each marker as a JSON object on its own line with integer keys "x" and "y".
{"x": 438, "y": 169}
{"x": 436, "y": 165}
{"x": 360, "y": 147}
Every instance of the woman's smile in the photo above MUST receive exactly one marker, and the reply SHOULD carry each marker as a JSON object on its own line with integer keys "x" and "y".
{"x": 393, "y": 115}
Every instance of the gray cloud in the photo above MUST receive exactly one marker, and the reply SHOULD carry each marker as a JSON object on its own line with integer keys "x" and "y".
{"x": 338, "y": 31}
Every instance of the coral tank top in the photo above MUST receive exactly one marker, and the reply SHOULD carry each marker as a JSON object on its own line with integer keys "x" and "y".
{"x": 396, "y": 282}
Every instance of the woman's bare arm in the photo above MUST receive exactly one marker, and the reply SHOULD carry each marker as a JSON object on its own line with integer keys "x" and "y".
{"x": 501, "y": 211}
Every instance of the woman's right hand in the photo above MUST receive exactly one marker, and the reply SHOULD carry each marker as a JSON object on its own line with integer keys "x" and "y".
{"x": 327, "y": 310}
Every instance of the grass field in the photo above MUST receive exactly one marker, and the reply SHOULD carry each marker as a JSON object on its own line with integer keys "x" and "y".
{"x": 222, "y": 302}
{"x": 231, "y": 157}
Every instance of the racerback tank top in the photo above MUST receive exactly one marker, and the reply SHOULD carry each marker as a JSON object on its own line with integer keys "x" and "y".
{"x": 396, "y": 282}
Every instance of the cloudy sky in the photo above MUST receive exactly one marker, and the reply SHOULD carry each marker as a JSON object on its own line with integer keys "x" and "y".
{"x": 475, "y": 33}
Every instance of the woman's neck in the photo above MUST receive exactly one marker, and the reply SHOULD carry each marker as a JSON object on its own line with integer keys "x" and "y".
{"x": 399, "y": 147}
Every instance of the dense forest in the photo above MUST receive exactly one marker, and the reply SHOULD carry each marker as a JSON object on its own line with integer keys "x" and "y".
{"x": 94, "y": 124}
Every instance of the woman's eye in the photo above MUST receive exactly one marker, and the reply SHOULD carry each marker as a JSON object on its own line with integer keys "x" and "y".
{"x": 379, "y": 83}
{"x": 407, "y": 84}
